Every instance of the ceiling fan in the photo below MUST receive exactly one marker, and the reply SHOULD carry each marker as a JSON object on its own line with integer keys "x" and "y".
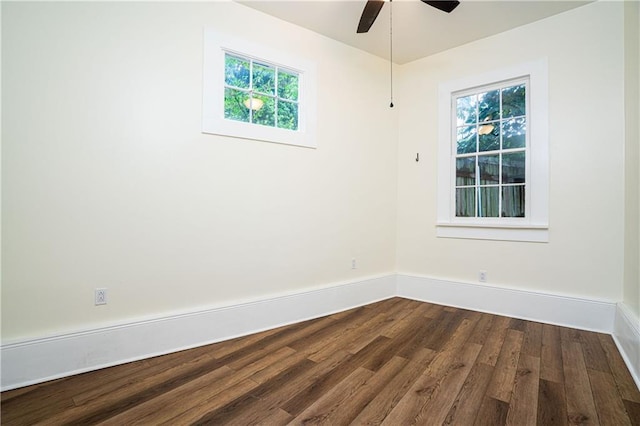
{"x": 372, "y": 9}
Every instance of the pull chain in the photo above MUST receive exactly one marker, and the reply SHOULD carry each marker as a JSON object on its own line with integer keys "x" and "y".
{"x": 391, "y": 49}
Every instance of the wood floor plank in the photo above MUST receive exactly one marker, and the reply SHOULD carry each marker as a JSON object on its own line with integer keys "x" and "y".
{"x": 224, "y": 348}
{"x": 447, "y": 387}
{"x": 415, "y": 315}
{"x": 76, "y": 390}
{"x": 397, "y": 361}
{"x": 504, "y": 375}
{"x": 366, "y": 333}
{"x": 594, "y": 356}
{"x": 551, "y": 354}
{"x": 288, "y": 384}
{"x": 482, "y": 329}
{"x": 415, "y": 336}
{"x": 253, "y": 399}
{"x": 273, "y": 394}
{"x": 464, "y": 409}
{"x": 136, "y": 392}
{"x": 492, "y": 412}
{"x": 493, "y": 343}
{"x": 307, "y": 396}
{"x": 458, "y": 338}
{"x": 333, "y": 408}
{"x": 517, "y": 324}
{"x": 446, "y": 327}
{"x": 532, "y": 343}
{"x": 30, "y": 410}
{"x": 624, "y": 381}
{"x": 269, "y": 367}
{"x": 382, "y": 404}
{"x": 350, "y": 319}
{"x": 410, "y": 409}
{"x": 552, "y": 406}
{"x": 609, "y": 404}
{"x": 581, "y": 407}
{"x": 633, "y": 411}
{"x": 325, "y": 409}
{"x": 196, "y": 391}
{"x": 570, "y": 334}
{"x": 255, "y": 361}
{"x": 523, "y": 406}
{"x": 434, "y": 311}
{"x": 322, "y": 343}
{"x": 225, "y": 414}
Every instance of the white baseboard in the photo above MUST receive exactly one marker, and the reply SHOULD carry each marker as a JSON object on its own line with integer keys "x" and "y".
{"x": 626, "y": 334}
{"x": 566, "y": 311}
{"x": 39, "y": 360}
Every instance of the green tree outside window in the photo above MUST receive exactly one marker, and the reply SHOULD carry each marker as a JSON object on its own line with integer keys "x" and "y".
{"x": 261, "y": 93}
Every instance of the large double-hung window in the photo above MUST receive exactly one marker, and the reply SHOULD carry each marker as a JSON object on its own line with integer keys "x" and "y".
{"x": 491, "y": 151}
{"x": 493, "y": 155}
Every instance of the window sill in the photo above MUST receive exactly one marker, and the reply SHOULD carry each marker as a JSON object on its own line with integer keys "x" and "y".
{"x": 498, "y": 232}
{"x": 242, "y": 130}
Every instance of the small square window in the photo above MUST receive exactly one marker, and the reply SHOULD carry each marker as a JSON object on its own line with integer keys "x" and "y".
{"x": 249, "y": 94}
{"x": 260, "y": 93}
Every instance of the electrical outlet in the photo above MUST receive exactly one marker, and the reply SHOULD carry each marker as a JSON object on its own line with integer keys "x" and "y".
{"x": 101, "y": 296}
{"x": 353, "y": 263}
{"x": 482, "y": 276}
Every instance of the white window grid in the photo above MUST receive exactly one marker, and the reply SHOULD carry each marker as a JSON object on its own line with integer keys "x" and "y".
{"x": 250, "y": 91}
{"x": 500, "y": 152}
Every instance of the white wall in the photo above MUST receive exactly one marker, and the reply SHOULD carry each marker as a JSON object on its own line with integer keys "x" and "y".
{"x": 109, "y": 182}
{"x": 584, "y": 257}
{"x": 632, "y": 157}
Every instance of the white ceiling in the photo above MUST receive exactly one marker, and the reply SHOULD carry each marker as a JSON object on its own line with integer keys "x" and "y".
{"x": 419, "y": 30}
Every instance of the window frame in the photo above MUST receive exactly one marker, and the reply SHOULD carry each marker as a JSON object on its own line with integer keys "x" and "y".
{"x": 534, "y": 227}
{"x": 500, "y": 151}
{"x": 216, "y": 46}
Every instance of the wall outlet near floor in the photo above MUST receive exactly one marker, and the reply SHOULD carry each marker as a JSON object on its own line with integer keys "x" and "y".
{"x": 353, "y": 263}
{"x": 100, "y": 296}
{"x": 482, "y": 276}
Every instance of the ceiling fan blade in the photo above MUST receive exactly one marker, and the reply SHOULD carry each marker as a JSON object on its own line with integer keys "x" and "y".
{"x": 445, "y": 6}
{"x": 369, "y": 15}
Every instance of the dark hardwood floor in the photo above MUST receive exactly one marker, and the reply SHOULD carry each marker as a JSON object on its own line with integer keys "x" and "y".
{"x": 396, "y": 362}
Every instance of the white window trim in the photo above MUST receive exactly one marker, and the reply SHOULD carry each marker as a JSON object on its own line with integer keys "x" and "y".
{"x": 213, "y": 121}
{"x": 533, "y": 228}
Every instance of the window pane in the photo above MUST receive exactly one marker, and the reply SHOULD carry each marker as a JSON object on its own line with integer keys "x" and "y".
{"x": 234, "y": 108}
{"x": 489, "y": 202}
{"x": 489, "y": 106}
{"x": 236, "y": 71}
{"x": 466, "y": 110}
{"x": 513, "y": 201}
{"x": 267, "y": 114}
{"x": 489, "y": 137}
{"x": 466, "y": 140}
{"x": 287, "y": 85}
{"x": 489, "y": 169}
{"x": 513, "y": 167}
{"x": 264, "y": 79}
{"x": 514, "y": 133}
{"x": 466, "y": 202}
{"x": 466, "y": 171}
{"x": 513, "y": 101}
{"x": 287, "y": 115}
